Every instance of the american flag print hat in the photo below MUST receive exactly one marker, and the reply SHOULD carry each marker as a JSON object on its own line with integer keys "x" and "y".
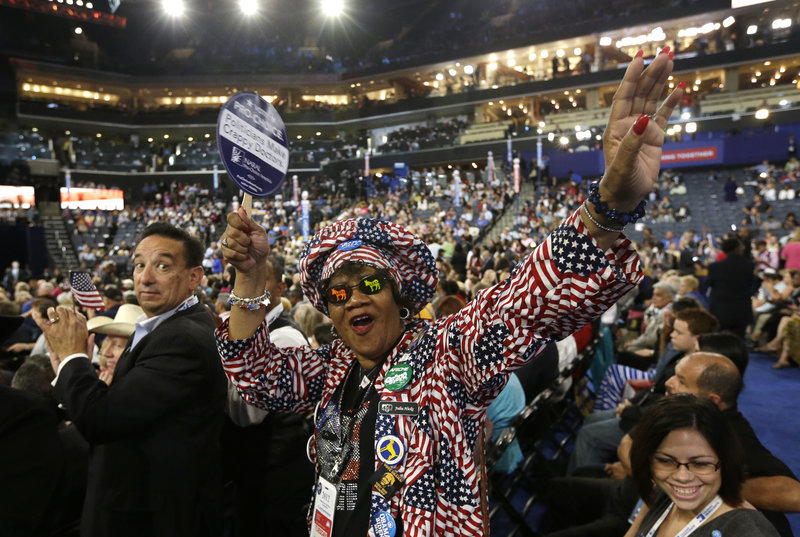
{"x": 375, "y": 243}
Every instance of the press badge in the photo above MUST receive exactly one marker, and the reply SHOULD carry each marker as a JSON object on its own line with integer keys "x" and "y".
{"x": 324, "y": 508}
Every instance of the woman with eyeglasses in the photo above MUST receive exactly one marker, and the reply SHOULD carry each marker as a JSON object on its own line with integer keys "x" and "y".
{"x": 688, "y": 467}
{"x": 400, "y": 402}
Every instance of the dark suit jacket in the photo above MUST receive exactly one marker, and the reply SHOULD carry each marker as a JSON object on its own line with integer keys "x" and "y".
{"x": 154, "y": 468}
{"x": 731, "y": 283}
{"x": 31, "y": 463}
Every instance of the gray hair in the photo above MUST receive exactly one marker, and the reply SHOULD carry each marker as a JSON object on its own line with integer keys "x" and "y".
{"x": 666, "y": 287}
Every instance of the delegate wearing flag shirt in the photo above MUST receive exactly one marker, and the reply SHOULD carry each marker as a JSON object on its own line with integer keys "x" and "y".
{"x": 459, "y": 365}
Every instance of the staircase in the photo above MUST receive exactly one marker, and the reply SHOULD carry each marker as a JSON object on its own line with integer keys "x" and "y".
{"x": 506, "y": 220}
{"x": 60, "y": 249}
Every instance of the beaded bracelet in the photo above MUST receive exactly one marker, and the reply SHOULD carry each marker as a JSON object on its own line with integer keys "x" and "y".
{"x": 611, "y": 214}
{"x": 598, "y": 224}
{"x": 250, "y": 304}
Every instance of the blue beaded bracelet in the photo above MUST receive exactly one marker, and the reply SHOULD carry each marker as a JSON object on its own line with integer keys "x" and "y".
{"x": 612, "y": 215}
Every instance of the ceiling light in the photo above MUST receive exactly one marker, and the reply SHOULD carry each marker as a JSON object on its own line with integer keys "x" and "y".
{"x": 173, "y": 8}
{"x": 248, "y": 7}
{"x": 332, "y": 8}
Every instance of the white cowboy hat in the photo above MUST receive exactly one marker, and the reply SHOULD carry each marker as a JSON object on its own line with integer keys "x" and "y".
{"x": 121, "y": 325}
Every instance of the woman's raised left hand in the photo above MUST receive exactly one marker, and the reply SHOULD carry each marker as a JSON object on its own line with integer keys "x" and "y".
{"x": 634, "y": 135}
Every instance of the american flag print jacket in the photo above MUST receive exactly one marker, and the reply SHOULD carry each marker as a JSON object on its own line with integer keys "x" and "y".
{"x": 459, "y": 366}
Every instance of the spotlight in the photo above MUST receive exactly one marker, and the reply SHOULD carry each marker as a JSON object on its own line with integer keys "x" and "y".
{"x": 332, "y": 8}
{"x": 248, "y": 7}
{"x": 173, "y": 8}
{"x": 762, "y": 113}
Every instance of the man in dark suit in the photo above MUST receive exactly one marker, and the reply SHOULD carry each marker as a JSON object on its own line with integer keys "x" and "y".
{"x": 154, "y": 467}
{"x": 731, "y": 283}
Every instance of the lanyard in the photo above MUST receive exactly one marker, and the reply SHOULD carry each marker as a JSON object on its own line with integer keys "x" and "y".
{"x": 345, "y": 431}
{"x": 693, "y": 524}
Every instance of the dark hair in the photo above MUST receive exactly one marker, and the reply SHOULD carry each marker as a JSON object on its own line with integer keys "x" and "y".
{"x": 42, "y": 303}
{"x": 698, "y": 320}
{"x": 450, "y": 287}
{"x": 685, "y": 303}
{"x": 35, "y": 375}
{"x": 730, "y": 245}
{"x": 277, "y": 267}
{"x": 192, "y": 249}
{"x": 727, "y": 344}
{"x": 323, "y": 335}
{"x": 687, "y": 411}
{"x": 112, "y": 292}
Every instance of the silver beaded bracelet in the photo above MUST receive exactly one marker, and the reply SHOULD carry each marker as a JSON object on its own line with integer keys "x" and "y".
{"x": 598, "y": 224}
{"x": 250, "y": 304}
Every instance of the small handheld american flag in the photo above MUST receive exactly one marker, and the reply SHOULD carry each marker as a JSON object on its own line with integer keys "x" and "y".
{"x": 84, "y": 291}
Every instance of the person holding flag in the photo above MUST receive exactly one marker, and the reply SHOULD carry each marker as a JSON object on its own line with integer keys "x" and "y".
{"x": 154, "y": 431}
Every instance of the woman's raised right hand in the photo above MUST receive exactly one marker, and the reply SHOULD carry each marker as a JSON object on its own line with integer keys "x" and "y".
{"x": 244, "y": 243}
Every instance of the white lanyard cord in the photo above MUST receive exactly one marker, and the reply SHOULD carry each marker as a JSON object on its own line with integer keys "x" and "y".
{"x": 693, "y": 524}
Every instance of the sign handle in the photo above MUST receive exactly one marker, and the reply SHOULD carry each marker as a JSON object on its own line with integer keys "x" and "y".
{"x": 247, "y": 204}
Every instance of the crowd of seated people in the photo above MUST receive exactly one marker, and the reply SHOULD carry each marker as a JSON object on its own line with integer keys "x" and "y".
{"x": 655, "y": 351}
{"x": 440, "y": 134}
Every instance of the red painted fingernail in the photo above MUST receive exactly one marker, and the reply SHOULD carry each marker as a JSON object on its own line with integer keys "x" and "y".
{"x": 641, "y": 124}
{"x": 247, "y": 230}
{"x": 665, "y": 50}
{"x": 639, "y": 54}
{"x": 671, "y": 55}
{"x": 682, "y": 84}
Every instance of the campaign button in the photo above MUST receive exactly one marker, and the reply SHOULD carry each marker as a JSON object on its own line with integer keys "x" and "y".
{"x": 386, "y": 481}
{"x": 383, "y": 524}
{"x": 398, "y": 377}
{"x": 253, "y": 144}
{"x": 390, "y": 449}
{"x": 352, "y": 244}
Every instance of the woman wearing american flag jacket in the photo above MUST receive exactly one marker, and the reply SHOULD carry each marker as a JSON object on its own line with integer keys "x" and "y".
{"x": 399, "y": 402}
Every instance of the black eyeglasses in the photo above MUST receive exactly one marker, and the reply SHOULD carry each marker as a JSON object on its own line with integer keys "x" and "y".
{"x": 369, "y": 285}
{"x": 663, "y": 463}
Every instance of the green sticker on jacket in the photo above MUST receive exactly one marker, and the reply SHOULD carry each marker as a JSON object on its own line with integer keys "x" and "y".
{"x": 398, "y": 377}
